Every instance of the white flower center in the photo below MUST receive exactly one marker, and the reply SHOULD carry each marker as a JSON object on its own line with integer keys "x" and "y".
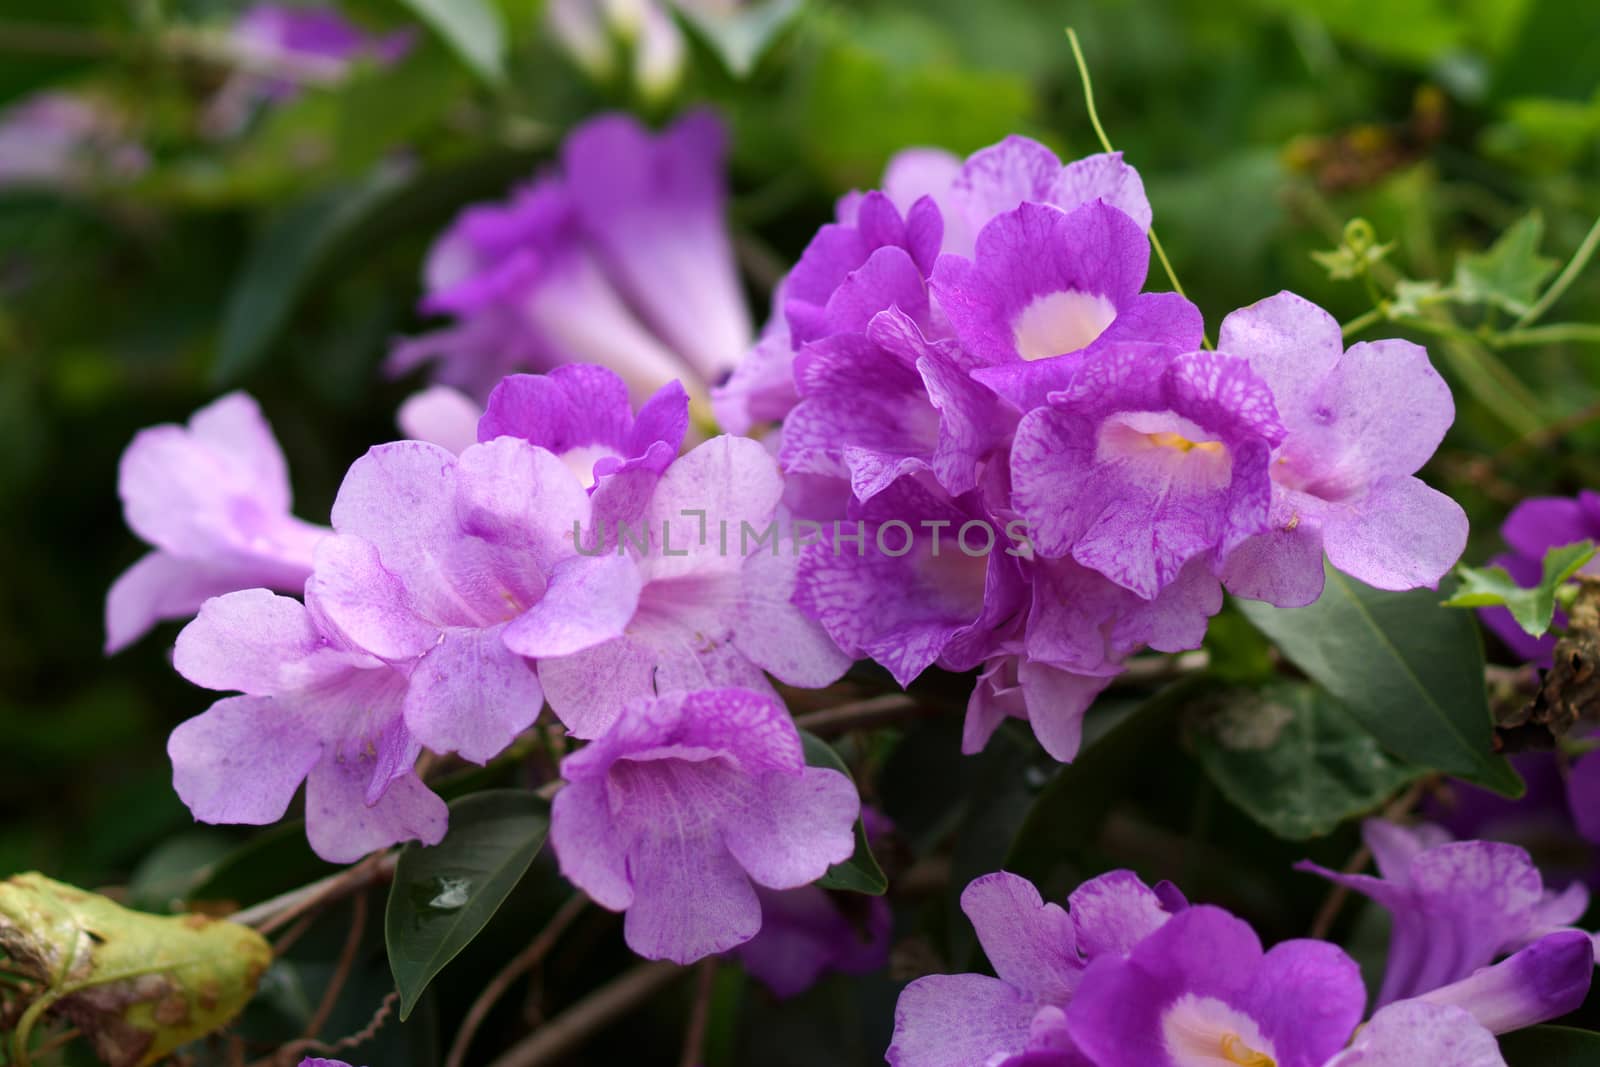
{"x": 1205, "y": 1032}
{"x": 1160, "y": 447}
{"x": 1057, "y": 323}
{"x": 581, "y": 460}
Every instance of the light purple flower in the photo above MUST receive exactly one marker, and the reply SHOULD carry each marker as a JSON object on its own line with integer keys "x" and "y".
{"x": 313, "y": 709}
{"x": 1535, "y": 526}
{"x": 698, "y": 594}
{"x": 1046, "y": 289}
{"x": 808, "y": 931}
{"x": 1040, "y": 953}
{"x": 1200, "y": 991}
{"x": 58, "y": 140}
{"x": 1456, "y": 905}
{"x": 1147, "y": 460}
{"x": 621, "y": 259}
{"x": 1560, "y": 804}
{"x": 1359, "y": 424}
{"x": 685, "y": 805}
{"x": 213, "y": 500}
{"x": 440, "y": 416}
{"x": 1415, "y": 1032}
{"x": 436, "y": 558}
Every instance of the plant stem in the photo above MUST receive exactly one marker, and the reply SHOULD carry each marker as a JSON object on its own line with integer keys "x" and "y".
{"x": 270, "y": 914}
{"x": 1564, "y": 280}
{"x": 874, "y": 711}
{"x": 1361, "y": 322}
{"x": 1105, "y": 143}
{"x": 694, "y": 1039}
{"x": 563, "y": 1033}
{"x": 1557, "y": 333}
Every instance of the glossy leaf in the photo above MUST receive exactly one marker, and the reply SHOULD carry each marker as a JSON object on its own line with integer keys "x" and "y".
{"x": 1532, "y": 607}
{"x": 1551, "y": 1046}
{"x": 474, "y": 28}
{"x": 444, "y": 895}
{"x": 860, "y": 873}
{"x": 1292, "y": 759}
{"x": 1408, "y": 669}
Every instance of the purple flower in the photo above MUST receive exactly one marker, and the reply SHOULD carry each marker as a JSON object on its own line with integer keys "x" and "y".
{"x": 1359, "y": 424}
{"x": 435, "y": 558}
{"x": 581, "y": 413}
{"x": 1040, "y": 952}
{"x": 315, "y": 709}
{"x": 1456, "y": 905}
{"x": 685, "y": 805}
{"x": 698, "y": 594}
{"x": 1147, "y": 460}
{"x": 440, "y": 416}
{"x": 808, "y": 931}
{"x": 58, "y": 140}
{"x": 213, "y": 500}
{"x": 1200, "y": 991}
{"x": 1046, "y": 289}
{"x": 319, "y": 1062}
{"x": 1560, "y": 804}
{"x": 622, "y": 259}
{"x": 1535, "y": 526}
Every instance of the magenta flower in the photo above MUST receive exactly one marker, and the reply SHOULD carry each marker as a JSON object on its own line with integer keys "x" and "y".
{"x": 1040, "y": 953}
{"x": 1535, "y": 526}
{"x": 1147, "y": 460}
{"x": 1200, "y": 991}
{"x": 313, "y": 709}
{"x": 622, "y": 259}
{"x": 805, "y": 933}
{"x": 213, "y": 499}
{"x": 1046, "y": 289}
{"x": 685, "y": 805}
{"x": 698, "y": 594}
{"x": 1358, "y": 425}
{"x": 1456, "y": 905}
{"x": 435, "y": 557}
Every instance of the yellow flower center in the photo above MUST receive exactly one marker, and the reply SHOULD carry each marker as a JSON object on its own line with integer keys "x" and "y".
{"x": 1234, "y": 1050}
{"x": 1183, "y": 444}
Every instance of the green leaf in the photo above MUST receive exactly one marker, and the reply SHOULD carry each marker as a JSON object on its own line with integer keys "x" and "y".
{"x": 740, "y": 37}
{"x": 474, "y": 28}
{"x": 1534, "y": 607}
{"x": 444, "y": 895}
{"x": 1292, "y": 759}
{"x": 860, "y": 873}
{"x": 1551, "y": 1046}
{"x": 1066, "y": 817}
{"x": 1509, "y": 274}
{"x": 1409, "y": 669}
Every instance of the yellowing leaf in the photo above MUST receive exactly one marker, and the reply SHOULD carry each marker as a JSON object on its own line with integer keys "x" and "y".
{"x": 136, "y": 985}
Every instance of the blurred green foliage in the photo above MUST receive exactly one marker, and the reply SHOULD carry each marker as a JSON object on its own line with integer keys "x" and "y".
{"x": 286, "y": 258}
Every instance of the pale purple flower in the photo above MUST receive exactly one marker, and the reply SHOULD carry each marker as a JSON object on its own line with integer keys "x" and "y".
{"x": 1358, "y": 424}
{"x": 698, "y": 594}
{"x": 435, "y": 556}
{"x": 1046, "y": 289}
{"x": 808, "y": 931}
{"x": 621, "y": 259}
{"x": 1456, "y": 905}
{"x": 1535, "y": 526}
{"x": 212, "y": 498}
{"x": 314, "y": 709}
{"x": 316, "y": 1061}
{"x": 1560, "y": 804}
{"x": 685, "y": 805}
{"x": 1149, "y": 459}
{"x": 58, "y": 140}
{"x": 1200, "y": 992}
{"x": 440, "y": 416}
{"x": 1040, "y": 953}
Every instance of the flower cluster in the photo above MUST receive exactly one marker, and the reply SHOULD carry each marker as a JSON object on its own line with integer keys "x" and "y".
{"x": 972, "y": 347}
{"x": 1133, "y": 976}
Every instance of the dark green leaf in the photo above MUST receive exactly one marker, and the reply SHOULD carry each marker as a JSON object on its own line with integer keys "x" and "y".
{"x": 1534, "y": 607}
{"x": 1510, "y": 273}
{"x": 1292, "y": 759}
{"x": 1409, "y": 669}
{"x": 860, "y": 873}
{"x": 1551, "y": 1046}
{"x": 474, "y": 28}
{"x": 442, "y": 896}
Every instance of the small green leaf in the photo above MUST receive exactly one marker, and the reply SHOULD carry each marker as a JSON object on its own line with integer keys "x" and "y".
{"x": 1412, "y": 297}
{"x": 1358, "y": 251}
{"x": 1409, "y": 669}
{"x": 1551, "y": 1046}
{"x": 444, "y": 895}
{"x": 474, "y": 28}
{"x": 1292, "y": 759}
{"x": 860, "y": 873}
{"x": 1534, "y": 607}
{"x": 1510, "y": 273}
{"x": 741, "y": 36}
